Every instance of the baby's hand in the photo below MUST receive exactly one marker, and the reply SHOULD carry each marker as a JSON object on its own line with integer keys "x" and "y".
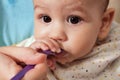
{"x": 47, "y": 44}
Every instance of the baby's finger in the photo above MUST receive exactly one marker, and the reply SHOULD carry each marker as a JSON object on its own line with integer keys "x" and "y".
{"x": 57, "y": 45}
{"x": 51, "y": 63}
{"x": 39, "y": 45}
{"x": 53, "y": 46}
{"x": 34, "y": 45}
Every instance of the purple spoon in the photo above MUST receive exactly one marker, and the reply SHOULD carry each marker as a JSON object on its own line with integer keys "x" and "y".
{"x": 19, "y": 75}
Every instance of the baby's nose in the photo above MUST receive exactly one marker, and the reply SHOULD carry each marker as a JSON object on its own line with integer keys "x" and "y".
{"x": 58, "y": 33}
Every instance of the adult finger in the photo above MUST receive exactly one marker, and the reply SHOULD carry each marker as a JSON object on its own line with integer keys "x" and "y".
{"x": 38, "y": 72}
{"x": 22, "y": 54}
{"x": 8, "y": 68}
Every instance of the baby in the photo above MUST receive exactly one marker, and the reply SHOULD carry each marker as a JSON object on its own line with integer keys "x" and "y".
{"x": 73, "y": 26}
{"x": 80, "y": 29}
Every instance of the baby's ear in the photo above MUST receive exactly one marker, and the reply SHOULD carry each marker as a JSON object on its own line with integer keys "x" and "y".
{"x": 106, "y": 23}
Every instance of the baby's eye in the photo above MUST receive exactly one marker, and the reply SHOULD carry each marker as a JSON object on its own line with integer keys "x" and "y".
{"x": 46, "y": 19}
{"x": 74, "y": 19}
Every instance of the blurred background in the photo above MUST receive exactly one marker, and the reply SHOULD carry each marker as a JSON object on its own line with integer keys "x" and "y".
{"x": 116, "y": 5}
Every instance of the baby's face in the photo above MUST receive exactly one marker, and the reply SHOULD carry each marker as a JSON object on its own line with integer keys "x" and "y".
{"x": 74, "y": 24}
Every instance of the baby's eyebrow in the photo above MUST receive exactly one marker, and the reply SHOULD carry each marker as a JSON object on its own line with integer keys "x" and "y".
{"x": 41, "y": 6}
{"x": 38, "y": 6}
{"x": 77, "y": 8}
{"x": 83, "y": 10}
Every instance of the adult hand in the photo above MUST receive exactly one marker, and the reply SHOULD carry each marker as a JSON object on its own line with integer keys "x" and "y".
{"x": 10, "y": 56}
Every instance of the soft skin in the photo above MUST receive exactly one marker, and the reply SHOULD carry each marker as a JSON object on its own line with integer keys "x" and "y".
{"x": 10, "y": 57}
{"x": 73, "y": 25}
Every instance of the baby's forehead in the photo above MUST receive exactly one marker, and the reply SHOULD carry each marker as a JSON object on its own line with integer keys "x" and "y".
{"x": 85, "y": 2}
{"x": 91, "y": 2}
{"x": 99, "y": 4}
{"x": 65, "y": 2}
{"x": 82, "y": 3}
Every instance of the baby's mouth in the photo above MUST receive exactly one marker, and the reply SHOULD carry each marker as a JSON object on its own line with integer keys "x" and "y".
{"x": 50, "y": 53}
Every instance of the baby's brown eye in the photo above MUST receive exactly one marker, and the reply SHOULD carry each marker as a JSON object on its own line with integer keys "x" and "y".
{"x": 74, "y": 19}
{"x": 46, "y": 19}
